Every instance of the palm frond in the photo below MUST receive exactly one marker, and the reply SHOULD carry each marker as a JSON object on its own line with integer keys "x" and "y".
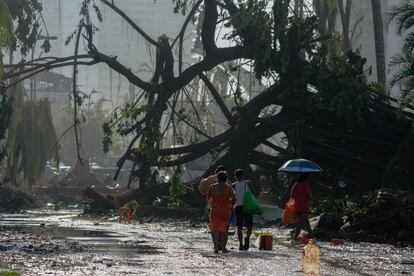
{"x": 408, "y": 45}
{"x": 405, "y": 64}
{"x": 407, "y": 96}
{"x": 399, "y": 60}
{"x": 402, "y": 15}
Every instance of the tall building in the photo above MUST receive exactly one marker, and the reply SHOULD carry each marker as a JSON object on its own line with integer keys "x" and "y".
{"x": 362, "y": 32}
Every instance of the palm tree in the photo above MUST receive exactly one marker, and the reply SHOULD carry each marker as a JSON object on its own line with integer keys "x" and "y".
{"x": 379, "y": 41}
{"x": 403, "y": 18}
{"x": 405, "y": 75}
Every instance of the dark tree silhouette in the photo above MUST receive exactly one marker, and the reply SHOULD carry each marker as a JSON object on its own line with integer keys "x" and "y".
{"x": 327, "y": 109}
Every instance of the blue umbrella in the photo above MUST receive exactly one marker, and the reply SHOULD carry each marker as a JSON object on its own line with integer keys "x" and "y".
{"x": 300, "y": 165}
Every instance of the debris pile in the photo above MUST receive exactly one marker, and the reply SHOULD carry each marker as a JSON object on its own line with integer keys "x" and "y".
{"x": 388, "y": 217}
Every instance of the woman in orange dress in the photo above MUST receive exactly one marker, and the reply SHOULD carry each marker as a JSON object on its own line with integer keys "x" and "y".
{"x": 221, "y": 198}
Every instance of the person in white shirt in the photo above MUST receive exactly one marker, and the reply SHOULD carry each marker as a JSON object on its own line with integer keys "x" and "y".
{"x": 241, "y": 186}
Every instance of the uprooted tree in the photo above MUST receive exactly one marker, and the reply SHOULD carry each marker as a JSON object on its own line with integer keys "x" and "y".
{"x": 319, "y": 98}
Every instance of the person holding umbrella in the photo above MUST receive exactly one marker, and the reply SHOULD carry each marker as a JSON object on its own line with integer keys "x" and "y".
{"x": 302, "y": 195}
{"x": 301, "y": 190}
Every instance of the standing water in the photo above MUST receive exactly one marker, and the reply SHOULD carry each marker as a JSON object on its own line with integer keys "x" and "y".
{"x": 63, "y": 243}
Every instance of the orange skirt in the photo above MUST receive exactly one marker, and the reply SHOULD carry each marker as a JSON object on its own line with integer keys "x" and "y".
{"x": 220, "y": 219}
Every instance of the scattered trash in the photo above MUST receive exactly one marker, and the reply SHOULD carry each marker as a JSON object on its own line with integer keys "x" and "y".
{"x": 126, "y": 218}
{"x": 311, "y": 258}
{"x": 337, "y": 241}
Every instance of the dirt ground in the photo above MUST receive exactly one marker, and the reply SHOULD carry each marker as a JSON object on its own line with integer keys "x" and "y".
{"x": 46, "y": 242}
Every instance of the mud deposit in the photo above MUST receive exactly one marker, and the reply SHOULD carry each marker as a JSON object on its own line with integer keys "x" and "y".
{"x": 60, "y": 243}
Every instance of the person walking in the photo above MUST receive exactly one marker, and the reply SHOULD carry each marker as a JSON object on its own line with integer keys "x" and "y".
{"x": 205, "y": 185}
{"x": 221, "y": 199}
{"x": 241, "y": 186}
{"x": 301, "y": 193}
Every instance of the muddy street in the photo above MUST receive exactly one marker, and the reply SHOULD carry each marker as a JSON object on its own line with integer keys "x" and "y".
{"x": 61, "y": 243}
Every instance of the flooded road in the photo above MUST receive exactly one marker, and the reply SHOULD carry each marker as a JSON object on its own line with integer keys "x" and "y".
{"x": 60, "y": 243}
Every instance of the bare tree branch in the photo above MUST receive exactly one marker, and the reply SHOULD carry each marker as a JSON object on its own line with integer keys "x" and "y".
{"x": 188, "y": 123}
{"x": 124, "y": 71}
{"x": 182, "y": 32}
{"x": 210, "y": 61}
{"x": 208, "y": 144}
{"x": 49, "y": 68}
{"x": 195, "y": 109}
{"x": 75, "y": 91}
{"x": 35, "y": 66}
{"x": 217, "y": 98}
{"x": 129, "y": 20}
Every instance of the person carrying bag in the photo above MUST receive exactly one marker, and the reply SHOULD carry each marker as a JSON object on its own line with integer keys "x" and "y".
{"x": 246, "y": 206}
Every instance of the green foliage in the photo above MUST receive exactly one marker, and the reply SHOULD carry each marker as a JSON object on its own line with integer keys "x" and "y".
{"x": 177, "y": 189}
{"x": 85, "y": 13}
{"x": 404, "y": 76}
{"x": 132, "y": 206}
{"x": 85, "y": 10}
{"x": 328, "y": 205}
{"x": 6, "y": 26}
{"x": 107, "y": 139}
{"x": 6, "y": 33}
{"x": 402, "y": 16}
{"x": 37, "y": 139}
{"x": 342, "y": 90}
{"x": 9, "y": 273}
{"x": 382, "y": 203}
{"x": 252, "y": 18}
{"x": 180, "y": 6}
{"x": 26, "y": 15}
{"x": 32, "y": 140}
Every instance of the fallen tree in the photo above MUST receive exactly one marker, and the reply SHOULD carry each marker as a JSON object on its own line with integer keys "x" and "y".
{"x": 319, "y": 101}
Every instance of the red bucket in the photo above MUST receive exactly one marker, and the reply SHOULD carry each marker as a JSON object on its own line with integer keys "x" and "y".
{"x": 266, "y": 242}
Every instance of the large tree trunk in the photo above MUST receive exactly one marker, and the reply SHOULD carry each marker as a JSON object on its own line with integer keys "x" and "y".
{"x": 111, "y": 201}
{"x": 379, "y": 41}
